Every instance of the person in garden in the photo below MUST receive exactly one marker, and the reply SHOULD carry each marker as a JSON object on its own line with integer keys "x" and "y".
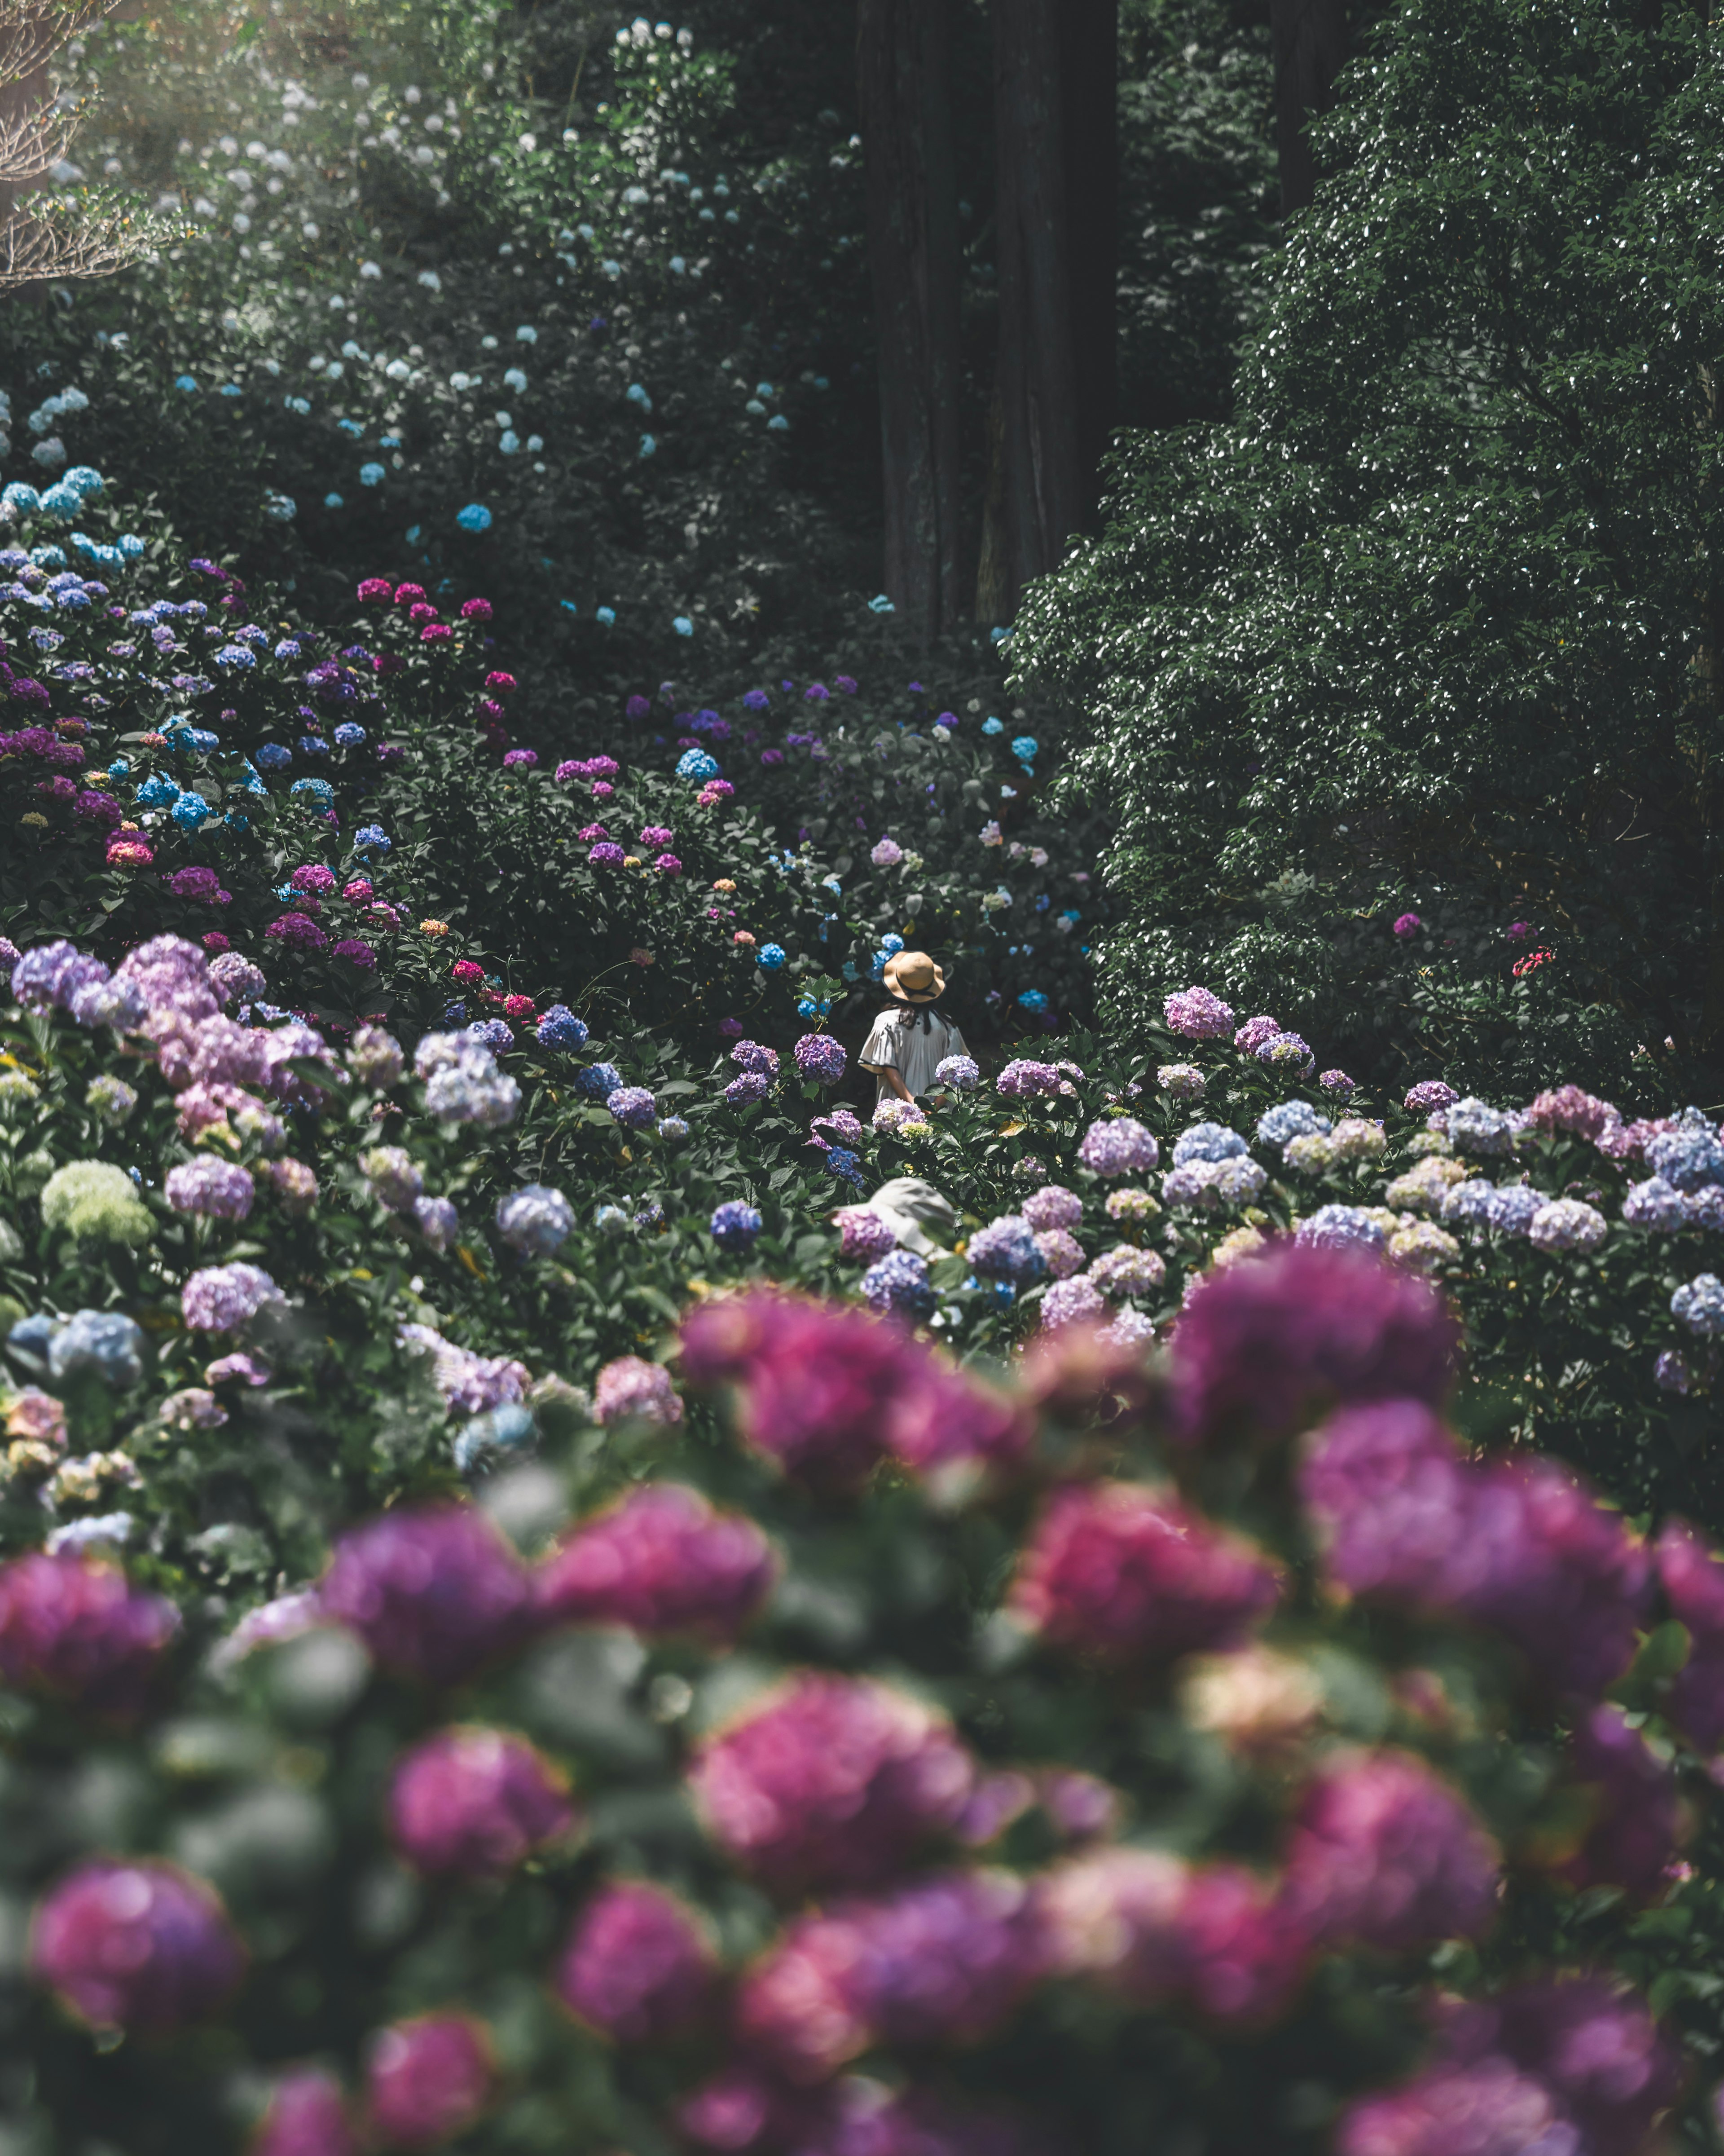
{"x": 907, "y": 1043}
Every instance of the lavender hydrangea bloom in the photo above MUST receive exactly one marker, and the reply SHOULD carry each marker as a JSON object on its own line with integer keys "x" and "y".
{"x": 1052, "y": 1206}
{"x": 536, "y": 1220}
{"x": 1126, "y": 1271}
{"x": 820, "y": 1057}
{"x": 1654, "y": 1203}
{"x": 117, "y": 1002}
{"x": 1338, "y": 1082}
{"x": 863, "y": 1234}
{"x": 633, "y": 1107}
{"x": 1688, "y": 1156}
{"x": 961, "y": 1072}
{"x": 746, "y": 1088}
{"x": 1181, "y": 1081}
{"x": 463, "y": 1083}
{"x": 1341, "y": 1227}
{"x": 900, "y": 1281}
{"x": 1022, "y": 1077}
{"x": 1699, "y": 1306}
{"x": 1475, "y": 1126}
{"x": 221, "y": 1297}
{"x": 1072, "y": 1302}
{"x": 1290, "y": 1119}
{"x": 1119, "y": 1147}
{"x": 750, "y": 1055}
{"x": 1468, "y": 1201}
{"x": 1286, "y": 1051}
{"x": 211, "y": 1189}
{"x": 559, "y": 1027}
{"x": 1208, "y": 1142}
{"x": 1704, "y": 1208}
{"x": 48, "y": 977}
{"x": 1512, "y": 1207}
{"x": 1672, "y": 1372}
{"x": 436, "y": 1220}
{"x": 1005, "y": 1250}
{"x": 1567, "y": 1224}
{"x": 1252, "y": 1035}
{"x": 1197, "y": 1014}
{"x": 735, "y": 1225}
{"x": 235, "y": 979}
{"x": 1428, "y": 1094}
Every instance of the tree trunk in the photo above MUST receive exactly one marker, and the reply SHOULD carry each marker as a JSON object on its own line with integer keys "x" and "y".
{"x": 902, "y": 63}
{"x": 1043, "y": 500}
{"x": 1089, "y": 99}
{"x": 1310, "y": 39}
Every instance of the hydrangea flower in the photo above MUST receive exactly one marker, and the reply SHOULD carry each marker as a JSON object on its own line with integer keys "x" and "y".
{"x": 1429, "y": 1093}
{"x": 1208, "y": 1142}
{"x": 1197, "y": 1014}
{"x": 1076, "y": 1301}
{"x": 1336, "y": 1081}
{"x": 429, "y": 2079}
{"x": 820, "y": 1057}
{"x": 1289, "y": 1119}
{"x": 633, "y": 1107}
{"x": 1119, "y": 1146}
{"x": 536, "y": 1220}
{"x": 1181, "y": 1081}
{"x": 1341, "y": 1227}
{"x": 1567, "y": 1224}
{"x": 475, "y": 1803}
{"x": 636, "y": 1964}
{"x": 1052, "y": 1206}
{"x": 1699, "y": 1305}
{"x": 1476, "y": 1128}
{"x": 213, "y": 1189}
{"x": 660, "y": 1560}
{"x": 959, "y": 1072}
{"x": 1126, "y": 1271}
{"x": 735, "y": 1225}
{"x": 1512, "y": 1207}
{"x": 1021, "y": 1078}
{"x": 135, "y": 1944}
{"x": 631, "y": 1388}
{"x": 1688, "y": 1156}
{"x": 1005, "y": 1250}
{"x": 899, "y": 1282}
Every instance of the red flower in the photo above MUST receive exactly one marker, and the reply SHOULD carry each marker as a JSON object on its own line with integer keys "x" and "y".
{"x": 501, "y": 684}
{"x": 466, "y": 973}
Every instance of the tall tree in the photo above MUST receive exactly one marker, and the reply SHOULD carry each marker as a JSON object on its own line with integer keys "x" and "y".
{"x": 1310, "y": 38}
{"x": 1089, "y": 104}
{"x": 902, "y": 55}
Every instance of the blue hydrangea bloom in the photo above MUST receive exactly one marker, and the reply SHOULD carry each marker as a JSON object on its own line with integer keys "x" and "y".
{"x": 559, "y": 1027}
{"x": 191, "y": 810}
{"x": 129, "y": 545}
{"x": 846, "y": 1165}
{"x": 1655, "y": 1203}
{"x": 599, "y": 1080}
{"x": 735, "y": 1225}
{"x": 475, "y": 517}
{"x": 606, "y": 617}
{"x": 1511, "y": 1208}
{"x": 1208, "y": 1142}
{"x": 1699, "y": 1306}
{"x": 85, "y": 481}
{"x": 489, "y": 1440}
{"x": 159, "y": 790}
{"x": 319, "y": 789}
{"x": 900, "y": 1281}
{"x": 682, "y": 626}
{"x": 536, "y": 1220}
{"x": 1688, "y": 1156}
{"x": 273, "y": 756}
{"x": 372, "y": 839}
{"x": 672, "y": 1129}
{"x": 633, "y": 1107}
{"x": 188, "y": 383}
{"x": 1032, "y": 999}
{"x": 695, "y": 763}
{"x": 104, "y": 1341}
{"x": 772, "y": 957}
{"x": 1341, "y": 1227}
{"x": 1289, "y": 1119}
{"x": 237, "y": 655}
{"x": 370, "y": 474}
{"x": 1006, "y": 1250}
{"x": 348, "y": 735}
{"x": 21, "y": 500}
{"x": 993, "y": 726}
{"x": 1024, "y": 748}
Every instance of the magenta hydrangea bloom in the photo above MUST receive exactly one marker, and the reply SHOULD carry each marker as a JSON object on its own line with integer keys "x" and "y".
{"x": 661, "y": 1560}
{"x": 435, "y": 1592}
{"x": 813, "y": 1380}
{"x": 1383, "y": 1853}
{"x": 1197, "y": 1014}
{"x": 307, "y": 2116}
{"x": 78, "y": 1630}
{"x": 636, "y": 1965}
{"x": 630, "y": 1386}
{"x": 211, "y": 1189}
{"x": 428, "y": 2080}
{"x": 220, "y": 1298}
{"x": 1120, "y": 1569}
{"x": 832, "y": 1781}
{"x": 1121, "y": 1145}
{"x": 819, "y": 1057}
{"x": 476, "y": 1803}
{"x": 1264, "y": 1345}
{"x": 1693, "y": 1581}
{"x": 947, "y": 1959}
{"x": 1631, "y": 1837}
{"x": 862, "y": 1234}
{"x": 1153, "y": 1929}
{"x": 1052, "y": 1206}
{"x": 948, "y": 1418}
{"x": 137, "y": 1945}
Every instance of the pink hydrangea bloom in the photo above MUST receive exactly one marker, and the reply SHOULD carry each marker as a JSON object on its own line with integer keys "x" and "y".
{"x": 475, "y": 1802}
{"x": 1265, "y": 1345}
{"x": 1383, "y": 1853}
{"x": 636, "y": 1965}
{"x": 137, "y": 1945}
{"x": 946, "y": 1959}
{"x": 661, "y": 1560}
{"x": 1252, "y": 1035}
{"x": 631, "y": 1386}
{"x": 1123, "y": 1570}
{"x": 78, "y": 1630}
{"x": 1197, "y": 1014}
{"x": 863, "y": 1234}
{"x": 434, "y": 1591}
{"x": 428, "y": 2080}
{"x": 1568, "y": 1108}
{"x": 832, "y": 1780}
{"x": 307, "y": 2116}
{"x": 947, "y": 1418}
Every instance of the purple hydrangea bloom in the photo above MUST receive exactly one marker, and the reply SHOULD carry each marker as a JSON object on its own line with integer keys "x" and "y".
{"x": 1512, "y": 1207}
{"x": 211, "y": 1189}
{"x": 633, "y": 1107}
{"x": 748, "y": 1088}
{"x": 661, "y": 1560}
{"x": 78, "y": 1630}
{"x": 436, "y": 1220}
{"x": 1118, "y": 1146}
{"x": 863, "y": 1234}
{"x": 1428, "y": 1094}
{"x": 961, "y": 1072}
{"x": 49, "y": 976}
{"x": 1699, "y": 1305}
{"x": 636, "y": 1964}
{"x": 1052, "y": 1206}
{"x": 1567, "y": 1224}
{"x": 1076, "y": 1301}
{"x": 1198, "y": 1015}
{"x": 899, "y": 1282}
{"x": 1288, "y": 1051}
{"x": 135, "y": 1944}
{"x": 1336, "y": 1081}
{"x": 1005, "y": 1250}
{"x": 475, "y": 1803}
{"x": 1021, "y": 1077}
{"x": 1126, "y": 1271}
{"x": 306, "y": 2117}
{"x": 753, "y": 1055}
{"x": 819, "y": 1057}
{"x": 1635, "y": 1811}
{"x": 220, "y": 1298}
{"x": 435, "y": 1592}
{"x": 1252, "y": 1035}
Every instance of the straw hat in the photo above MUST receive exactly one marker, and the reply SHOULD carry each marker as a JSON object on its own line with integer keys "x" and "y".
{"x": 913, "y": 978}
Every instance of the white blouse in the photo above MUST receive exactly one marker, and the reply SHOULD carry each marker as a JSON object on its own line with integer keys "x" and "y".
{"x": 899, "y": 1041}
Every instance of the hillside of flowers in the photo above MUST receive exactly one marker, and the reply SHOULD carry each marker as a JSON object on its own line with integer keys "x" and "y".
{"x": 574, "y": 1575}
